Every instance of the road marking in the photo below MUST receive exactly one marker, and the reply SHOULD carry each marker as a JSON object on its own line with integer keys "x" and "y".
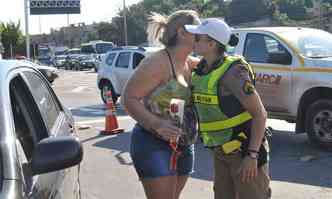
{"x": 101, "y": 120}
{"x": 78, "y": 89}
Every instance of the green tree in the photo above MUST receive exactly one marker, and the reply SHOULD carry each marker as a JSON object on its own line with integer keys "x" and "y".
{"x": 11, "y": 37}
{"x": 241, "y": 11}
{"x": 137, "y": 15}
{"x": 295, "y": 9}
{"x": 91, "y": 36}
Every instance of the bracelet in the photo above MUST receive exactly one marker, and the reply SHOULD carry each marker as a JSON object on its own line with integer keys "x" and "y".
{"x": 252, "y": 151}
{"x": 252, "y": 155}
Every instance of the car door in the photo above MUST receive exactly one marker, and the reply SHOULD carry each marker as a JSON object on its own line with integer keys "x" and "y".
{"x": 271, "y": 60}
{"x": 105, "y": 71}
{"x": 36, "y": 99}
{"x": 122, "y": 69}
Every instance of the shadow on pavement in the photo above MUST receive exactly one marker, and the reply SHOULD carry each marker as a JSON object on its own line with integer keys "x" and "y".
{"x": 121, "y": 142}
{"x": 286, "y": 165}
{"x": 97, "y": 110}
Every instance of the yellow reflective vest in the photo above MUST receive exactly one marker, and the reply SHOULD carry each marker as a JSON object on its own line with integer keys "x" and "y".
{"x": 216, "y": 128}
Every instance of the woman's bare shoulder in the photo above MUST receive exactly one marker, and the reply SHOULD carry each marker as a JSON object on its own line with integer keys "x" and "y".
{"x": 154, "y": 66}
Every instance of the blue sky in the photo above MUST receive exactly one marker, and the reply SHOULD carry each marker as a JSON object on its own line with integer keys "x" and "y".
{"x": 91, "y": 11}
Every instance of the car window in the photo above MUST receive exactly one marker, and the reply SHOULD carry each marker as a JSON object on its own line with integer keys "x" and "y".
{"x": 255, "y": 48}
{"x": 262, "y": 48}
{"x": 87, "y": 49}
{"x": 110, "y": 59}
{"x": 123, "y": 60}
{"x": 48, "y": 106}
{"x": 137, "y": 59}
{"x": 29, "y": 127}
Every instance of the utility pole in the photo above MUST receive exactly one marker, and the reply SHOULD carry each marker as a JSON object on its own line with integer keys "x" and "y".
{"x": 40, "y": 27}
{"x": 125, "y": 22}
{"x": 27, "y": 36}
{"x": 11, "y": 51}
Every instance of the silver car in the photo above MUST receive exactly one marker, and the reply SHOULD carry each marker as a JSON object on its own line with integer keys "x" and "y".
{"x": 40, "y": 151}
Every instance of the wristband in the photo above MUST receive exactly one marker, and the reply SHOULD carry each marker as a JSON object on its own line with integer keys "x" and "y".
{"x": 252, "y": 155}
{"x": 252, "y": 151}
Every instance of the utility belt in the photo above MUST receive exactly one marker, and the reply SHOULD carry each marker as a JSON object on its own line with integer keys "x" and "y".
{"x": 240, "y": 143}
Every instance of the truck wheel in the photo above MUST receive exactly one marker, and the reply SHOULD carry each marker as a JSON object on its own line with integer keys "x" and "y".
{"x": 103, "y": 91}
{"x": 319, "y": 123}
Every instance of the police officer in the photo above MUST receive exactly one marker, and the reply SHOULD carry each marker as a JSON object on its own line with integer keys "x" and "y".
{"x": 231, "y": 115}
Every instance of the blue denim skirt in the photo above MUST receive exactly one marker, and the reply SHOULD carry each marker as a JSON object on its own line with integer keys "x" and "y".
{"x": 151, "y": 156}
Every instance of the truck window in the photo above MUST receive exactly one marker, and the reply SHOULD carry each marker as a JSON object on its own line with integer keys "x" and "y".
{"x": 260, "y": 48}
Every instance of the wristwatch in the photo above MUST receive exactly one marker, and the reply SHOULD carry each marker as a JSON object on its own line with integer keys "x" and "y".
{"x": 252, "y": 155}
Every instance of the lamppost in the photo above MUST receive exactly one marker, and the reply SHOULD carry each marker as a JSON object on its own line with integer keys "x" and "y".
{"x": 27, "y": 36}
{"x": 125, "y": 22}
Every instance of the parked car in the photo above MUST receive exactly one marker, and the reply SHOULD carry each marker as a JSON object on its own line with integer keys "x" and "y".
{"x": 59, "y": 59}
{"x": 117, "y": 66}
{"x": 72, "y": 59}
{"x": 40, "y": 151}
{"x": 86, "y": 61}
{"x": 293, "y": 69}
{"x": 96, "y": 49}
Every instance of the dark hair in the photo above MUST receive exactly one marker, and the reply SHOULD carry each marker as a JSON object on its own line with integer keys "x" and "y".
{"x": 233, "y": 41}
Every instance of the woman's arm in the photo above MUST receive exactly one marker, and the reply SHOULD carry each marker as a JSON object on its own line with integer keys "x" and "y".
{"x": 192, "y": 62}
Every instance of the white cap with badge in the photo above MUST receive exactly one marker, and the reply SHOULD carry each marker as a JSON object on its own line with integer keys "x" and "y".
{"x": 214, "y": 28}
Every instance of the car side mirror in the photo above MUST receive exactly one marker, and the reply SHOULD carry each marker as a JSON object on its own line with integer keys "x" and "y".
{"x": 283, "y": 58}
{"x": 56, "y": 153}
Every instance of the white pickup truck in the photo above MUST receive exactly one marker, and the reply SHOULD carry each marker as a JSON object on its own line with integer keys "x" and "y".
{"x": 293, "y": 69}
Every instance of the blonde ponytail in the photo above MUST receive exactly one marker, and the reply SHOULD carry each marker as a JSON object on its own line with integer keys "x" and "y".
{"x": 162, "y": 29}
{"x": 156, "y": 27}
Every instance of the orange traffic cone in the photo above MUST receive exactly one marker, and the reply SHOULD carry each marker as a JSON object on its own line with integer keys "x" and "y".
{"x": 111, "y": 123}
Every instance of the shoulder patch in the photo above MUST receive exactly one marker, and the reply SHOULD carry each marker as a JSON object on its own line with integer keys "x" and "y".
{"x": 248, "y": 88}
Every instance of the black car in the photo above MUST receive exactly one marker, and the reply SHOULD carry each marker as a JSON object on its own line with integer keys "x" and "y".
{"x": 40, "y": 151}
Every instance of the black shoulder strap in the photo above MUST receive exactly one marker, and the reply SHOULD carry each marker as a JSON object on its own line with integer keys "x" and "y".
{"x": 172, "y": 66}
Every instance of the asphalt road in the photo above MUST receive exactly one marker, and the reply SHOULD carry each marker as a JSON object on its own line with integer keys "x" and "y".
{"x": 299, "y": 171}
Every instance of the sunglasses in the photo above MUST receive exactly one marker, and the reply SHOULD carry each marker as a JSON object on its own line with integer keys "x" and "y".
{"x": 200, "y": 37}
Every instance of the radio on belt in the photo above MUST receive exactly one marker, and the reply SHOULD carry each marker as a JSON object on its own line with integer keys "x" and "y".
{"x": 177, "y": 109}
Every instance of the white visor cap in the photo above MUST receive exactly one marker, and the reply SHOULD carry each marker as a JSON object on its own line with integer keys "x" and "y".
{"x": 214, "y": 28}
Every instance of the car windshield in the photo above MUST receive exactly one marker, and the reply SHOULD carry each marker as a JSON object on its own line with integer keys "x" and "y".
{"x": 87, "y": 49}
{"x": 102, "y": 48}
{"x": 59, "y": 53}
{"x": 310, "y": 43}
{"x": 43, "y": 52}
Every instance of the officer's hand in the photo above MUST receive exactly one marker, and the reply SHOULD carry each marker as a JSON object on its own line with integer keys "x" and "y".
{"x": 168, "y": 131}
{"x": 248, "y": 169}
